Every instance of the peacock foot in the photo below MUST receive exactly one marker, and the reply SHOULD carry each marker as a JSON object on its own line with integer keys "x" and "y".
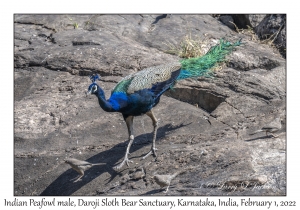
{"x": 119, "y": 166}
{"x": 151, "y": 152}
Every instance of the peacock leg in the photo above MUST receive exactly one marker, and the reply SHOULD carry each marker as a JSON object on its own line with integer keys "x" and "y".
{"x": 155, "y": 126}
{"x": 129, "y": 123}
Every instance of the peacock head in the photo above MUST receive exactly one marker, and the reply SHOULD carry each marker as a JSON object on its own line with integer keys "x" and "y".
{"x": 93, "y": 88}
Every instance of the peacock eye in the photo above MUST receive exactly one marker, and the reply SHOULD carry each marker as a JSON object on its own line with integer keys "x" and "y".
{"x": 94, "y": 88}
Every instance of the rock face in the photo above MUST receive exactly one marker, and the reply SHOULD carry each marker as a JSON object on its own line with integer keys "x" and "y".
{"x": 204, "y": 123}
{"x": 274, "y": 27}
{"x": 270, "y": 28}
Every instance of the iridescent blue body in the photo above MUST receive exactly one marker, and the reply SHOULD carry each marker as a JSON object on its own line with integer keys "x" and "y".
{"x": 129, "y": 98}
{"x": 133, "y": 104}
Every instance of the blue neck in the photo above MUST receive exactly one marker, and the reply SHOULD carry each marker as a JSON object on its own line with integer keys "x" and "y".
{"x": 105, "y": 105}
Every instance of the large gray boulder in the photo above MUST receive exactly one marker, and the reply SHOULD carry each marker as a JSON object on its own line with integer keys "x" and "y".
{"x": 203, "y": 122}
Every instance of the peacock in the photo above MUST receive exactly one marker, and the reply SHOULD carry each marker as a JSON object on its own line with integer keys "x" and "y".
{"x": 138, "y": 93}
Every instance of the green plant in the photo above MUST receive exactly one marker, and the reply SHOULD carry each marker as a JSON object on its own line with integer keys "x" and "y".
{"x": 74, "y": 24}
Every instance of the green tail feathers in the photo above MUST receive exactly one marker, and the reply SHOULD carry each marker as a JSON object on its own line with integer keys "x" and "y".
{"x": 201, "y": 66}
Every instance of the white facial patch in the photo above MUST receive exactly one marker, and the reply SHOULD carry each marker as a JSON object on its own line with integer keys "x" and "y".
{"x": 95, "y": 88}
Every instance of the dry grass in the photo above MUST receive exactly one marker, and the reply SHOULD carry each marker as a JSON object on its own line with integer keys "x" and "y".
{"x": 219, "y": 66}
{"x": 270, "y": 40}
{"x": 248, "y": 32}
{"x": 253, "y": 36}
{"x": 189, "y": 47}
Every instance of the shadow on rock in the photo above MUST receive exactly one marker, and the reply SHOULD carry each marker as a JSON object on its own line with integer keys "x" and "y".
{"x": 258, "y": 138}
{"x": 62, "y": 186}
{"x": 152, "y": 192}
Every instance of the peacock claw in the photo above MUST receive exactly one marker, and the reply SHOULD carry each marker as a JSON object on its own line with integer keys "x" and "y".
{"x": 130, "y": 161}
{"x": 151, "y": 152}
{"x": 119, "y": 166}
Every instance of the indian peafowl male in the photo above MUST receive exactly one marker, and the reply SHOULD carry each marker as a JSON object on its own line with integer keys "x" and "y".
{"x": 138, "y": 93}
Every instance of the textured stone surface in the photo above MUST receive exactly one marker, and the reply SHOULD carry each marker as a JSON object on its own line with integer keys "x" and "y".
{"x": 203, "y": 122}
{"x": 273, "y": 27}
{"x": 269, "y": 28}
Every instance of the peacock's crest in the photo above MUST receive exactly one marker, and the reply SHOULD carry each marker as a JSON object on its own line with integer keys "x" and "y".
{"x": 94, "y": 77}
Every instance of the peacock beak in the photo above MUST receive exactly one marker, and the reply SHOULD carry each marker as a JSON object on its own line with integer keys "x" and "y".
{"x": 88, "y": 93}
